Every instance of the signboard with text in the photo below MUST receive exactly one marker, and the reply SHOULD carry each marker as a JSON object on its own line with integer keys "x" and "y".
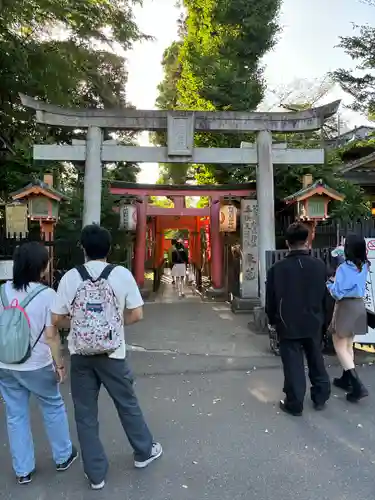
{"x": 16, "y": 220}
{"x": 6, "y": 270}
{"x": 128, "y": 217}
{"x": 228, "y": 219}
{"x": 249, "y": 249}
{"x": 369, "y": 338}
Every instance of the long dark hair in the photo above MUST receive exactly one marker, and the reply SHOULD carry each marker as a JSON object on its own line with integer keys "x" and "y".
{"x": 355, "y": 250}
{"x": 29, "y": 262}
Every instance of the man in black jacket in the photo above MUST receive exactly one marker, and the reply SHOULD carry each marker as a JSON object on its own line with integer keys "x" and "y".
{"x": 295, "y": 306}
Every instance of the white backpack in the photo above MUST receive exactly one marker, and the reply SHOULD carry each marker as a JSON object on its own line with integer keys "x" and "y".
{"x": 97, "y": 324}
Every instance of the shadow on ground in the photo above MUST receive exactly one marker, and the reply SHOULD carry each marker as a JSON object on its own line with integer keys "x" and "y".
{"x": 224, "y": 438}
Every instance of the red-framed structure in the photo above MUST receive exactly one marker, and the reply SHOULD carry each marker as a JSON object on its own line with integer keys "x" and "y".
{"x": 180, "y": 217}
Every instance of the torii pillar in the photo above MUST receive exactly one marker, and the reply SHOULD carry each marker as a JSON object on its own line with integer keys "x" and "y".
{"x": 140, "y": 243}
{"x": 216, "y": 246}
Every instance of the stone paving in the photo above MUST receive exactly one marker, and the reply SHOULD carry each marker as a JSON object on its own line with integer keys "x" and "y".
{"x": 209, "y": 389}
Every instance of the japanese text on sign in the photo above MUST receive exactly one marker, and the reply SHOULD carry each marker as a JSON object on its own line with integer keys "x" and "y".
{"x": 249, "y": 243}
{"x": 369, "y": 338}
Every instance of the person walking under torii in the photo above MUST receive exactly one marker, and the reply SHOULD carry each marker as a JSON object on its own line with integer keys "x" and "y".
{"x": 180, "y": 261}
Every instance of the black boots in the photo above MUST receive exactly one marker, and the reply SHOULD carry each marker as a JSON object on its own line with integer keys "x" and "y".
{"x": 357, "y": 390}
{"x": 343, "y": 382}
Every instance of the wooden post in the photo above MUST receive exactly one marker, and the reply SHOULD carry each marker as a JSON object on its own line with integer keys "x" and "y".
{"x": 47, "y": 232}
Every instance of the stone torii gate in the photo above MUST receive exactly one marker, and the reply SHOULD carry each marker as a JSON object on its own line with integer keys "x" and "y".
{"x": 180, "y": 127}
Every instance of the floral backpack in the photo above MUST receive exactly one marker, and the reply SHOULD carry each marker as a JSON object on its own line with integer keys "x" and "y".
{"x": 97, "y": 325}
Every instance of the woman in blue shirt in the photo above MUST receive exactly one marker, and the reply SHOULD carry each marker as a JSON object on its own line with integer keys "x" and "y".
{"x": 349, "y": 318}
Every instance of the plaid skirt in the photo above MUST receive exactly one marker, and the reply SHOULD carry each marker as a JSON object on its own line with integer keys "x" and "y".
{"x": 349, "y": 318}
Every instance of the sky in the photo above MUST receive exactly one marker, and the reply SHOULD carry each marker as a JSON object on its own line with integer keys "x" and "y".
{"x": 306, "y": 50}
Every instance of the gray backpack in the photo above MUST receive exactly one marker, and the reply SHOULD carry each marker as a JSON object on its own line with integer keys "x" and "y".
{"x": 15, "y": 328}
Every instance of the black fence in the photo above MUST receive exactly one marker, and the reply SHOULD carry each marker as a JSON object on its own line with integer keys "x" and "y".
{"x": 64, "y": 253}
{"x": 328, "y": 233}
{"x": 320, "y": 253}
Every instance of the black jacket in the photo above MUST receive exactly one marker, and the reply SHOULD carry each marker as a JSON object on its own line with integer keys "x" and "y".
{"x": 179, "y": 255}
{"x": 296, "y": 296}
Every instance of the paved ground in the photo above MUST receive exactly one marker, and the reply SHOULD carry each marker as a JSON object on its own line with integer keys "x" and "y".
{"x": 190, "y": 326}
{"x": 217, "y": 418}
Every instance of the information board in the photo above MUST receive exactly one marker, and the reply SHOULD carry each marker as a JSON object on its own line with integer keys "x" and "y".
{"x": 6, "y": 270}
{"x": 369, "y": 338}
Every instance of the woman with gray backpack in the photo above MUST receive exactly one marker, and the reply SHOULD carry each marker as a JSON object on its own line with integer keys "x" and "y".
{"x": 31, "y": 362}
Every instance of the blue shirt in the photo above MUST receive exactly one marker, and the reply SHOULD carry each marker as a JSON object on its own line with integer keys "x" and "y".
{"x": 349, "y": 282}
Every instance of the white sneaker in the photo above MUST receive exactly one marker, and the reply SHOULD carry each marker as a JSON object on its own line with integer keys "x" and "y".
{"x": 94, "y": 486}
{"x": 99, "y": 486}
{"x": 156, "y": 453}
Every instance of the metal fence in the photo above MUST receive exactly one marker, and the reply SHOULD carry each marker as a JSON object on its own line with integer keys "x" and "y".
{"x": 64, "y": 253}
{"x": 320, "y": 253}
{"x": 329, "y": 233}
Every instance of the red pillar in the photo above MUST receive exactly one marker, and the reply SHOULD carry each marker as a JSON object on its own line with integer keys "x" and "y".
{"x": 199, "y": 244}
{"x": 216, "y": 246}
{"x": 140, "y": 248}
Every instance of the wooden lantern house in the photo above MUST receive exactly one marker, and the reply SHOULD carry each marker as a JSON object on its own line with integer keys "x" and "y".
{"x": 311, "y": 203}
{"x": 42, "y": 204}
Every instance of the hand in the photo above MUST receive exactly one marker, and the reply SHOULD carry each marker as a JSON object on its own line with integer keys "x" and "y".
{"x": 61, "y": 374}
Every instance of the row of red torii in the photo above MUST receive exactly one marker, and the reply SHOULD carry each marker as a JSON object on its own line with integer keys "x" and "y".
{"x": 180, "y": 217}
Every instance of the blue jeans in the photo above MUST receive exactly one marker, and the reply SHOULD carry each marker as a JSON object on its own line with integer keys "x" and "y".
{"x": 16, "y": 387}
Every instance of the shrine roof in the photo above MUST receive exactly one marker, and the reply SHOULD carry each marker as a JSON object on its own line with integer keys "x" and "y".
{"x": 358, "y": 163}
{"x": 38, "y": 187}
{"x": 317, "y": 187}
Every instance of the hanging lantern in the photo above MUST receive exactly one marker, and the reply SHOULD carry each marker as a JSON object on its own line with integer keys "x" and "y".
{"x": 228, "y": 219}
{"x": 128, "y": 217}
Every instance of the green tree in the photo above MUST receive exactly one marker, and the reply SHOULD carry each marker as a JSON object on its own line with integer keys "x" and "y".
{"x": 60, "y": 52}
{"x": 360, "y": 81}
{"x": 216, "y": 66}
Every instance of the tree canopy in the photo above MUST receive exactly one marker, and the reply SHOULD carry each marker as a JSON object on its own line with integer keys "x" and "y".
{"x": 359, "y": 82}
{"x": 60, "y": 51}
{"x": 216, "y": 65}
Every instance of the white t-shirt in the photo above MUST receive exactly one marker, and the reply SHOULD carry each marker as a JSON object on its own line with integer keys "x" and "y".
{"x": 123, "y": 285}
{"x": 39, "y": 313}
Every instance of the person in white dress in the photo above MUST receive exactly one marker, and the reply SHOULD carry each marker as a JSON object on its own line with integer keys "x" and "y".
{"x": 180, "y": 260}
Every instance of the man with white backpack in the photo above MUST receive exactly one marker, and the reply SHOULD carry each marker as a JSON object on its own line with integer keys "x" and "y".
{"x": 100, "y": 299}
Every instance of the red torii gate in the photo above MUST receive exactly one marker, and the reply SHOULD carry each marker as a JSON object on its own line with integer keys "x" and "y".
{"x": 188, "y": 218}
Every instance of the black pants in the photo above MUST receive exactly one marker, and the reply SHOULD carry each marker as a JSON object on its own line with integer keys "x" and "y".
{"x": 292, "y": 356}
{"x": 88, "y": 373}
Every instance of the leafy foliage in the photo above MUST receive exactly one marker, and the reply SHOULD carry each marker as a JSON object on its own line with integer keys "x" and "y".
{"x": 360, "y": 81}
{"x": 216, "y": 66}
{"x": 59, "y": 51}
